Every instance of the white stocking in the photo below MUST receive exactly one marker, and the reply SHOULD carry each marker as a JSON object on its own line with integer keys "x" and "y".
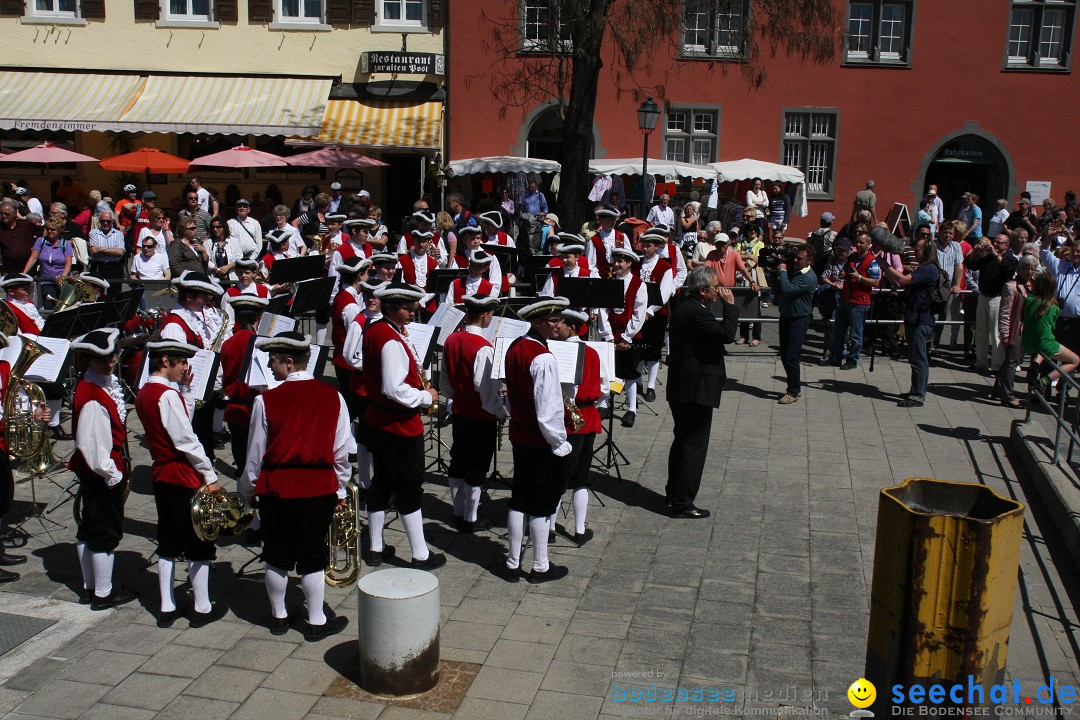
{"x": 314, "y": 585}
{"x": 581, "y": 506}
{"x": 414, "y": 529}
{"x": 538, "y": 528}
{"x": 457, "y": 496}
{"x": 277, "y": 582}
{"x": 54, "y": 407}
{"x": 631, "y": 397}
{"x": 515, "y": 526}
{"x": 166, "y": 571}
{"x": 87, "y": 565}
{"x": 103, "y": 566}
{"x": 653, "y": 366}
{"x": 320, "y": 333}
{"x": 199, "y": 574}
{"x": 472, "y": 503}
{"x": 376, "y": 521}
{"x": 553, "y": 519}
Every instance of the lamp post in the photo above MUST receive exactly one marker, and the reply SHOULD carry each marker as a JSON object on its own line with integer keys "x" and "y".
{"x": 647, "y": 115}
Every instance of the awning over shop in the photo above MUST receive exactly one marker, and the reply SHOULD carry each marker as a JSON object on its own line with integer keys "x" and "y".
{"x": 388, "y": 123}
{"x": 229, "y": 105}
{"x": 64, "y": 101}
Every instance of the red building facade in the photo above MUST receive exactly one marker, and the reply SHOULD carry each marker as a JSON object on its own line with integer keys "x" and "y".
{"x": 968, "y": 96}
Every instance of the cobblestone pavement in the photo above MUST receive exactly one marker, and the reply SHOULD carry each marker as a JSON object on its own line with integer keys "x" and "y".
{"x": 769, "y": 594}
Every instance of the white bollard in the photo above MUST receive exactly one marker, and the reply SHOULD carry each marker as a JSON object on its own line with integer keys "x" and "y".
{"x": 399, "y": 631}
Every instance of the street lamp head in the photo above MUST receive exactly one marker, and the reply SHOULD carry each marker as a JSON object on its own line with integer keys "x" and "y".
{"x": 647, "y": 115}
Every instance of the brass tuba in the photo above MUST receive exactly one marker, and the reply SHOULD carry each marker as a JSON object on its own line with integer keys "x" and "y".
{"x": 219, "y": 513}
{"x": 73, "y": 291}
{"x": 26, "y": 435}
{"x": 343, "y": 564}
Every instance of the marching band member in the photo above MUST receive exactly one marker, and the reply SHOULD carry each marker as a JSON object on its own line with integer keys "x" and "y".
{"x": 98, "y": 412}
{"x": 298, "y": 466}
{"x": 353, "y": 352}
{"x": 474, "y": 283}
{"x": 247, "y": 311}
{"x": 490, "y": 224}
{"x": 570, "y": 264}
{"x": 346, "y": 306}
{"x": 469, "y": 239}
{"x": 180, "y": 468}
{"x": 416, "y": 265}
{"x": 657, "y": 270}
{"x": 19, "y": 287}
{"x": 396, "y": 397}
{"x": 333, "y": 239}
{"x": 245, "y": 281}
{"x": 592, "y": 389}
{"x": 195, "y": 321}
{"x": 97, "y": 285}
{"x": 356, "y": 243}
{"x": 555, "y": 247}
{"x": 278, "y": 249}
{"x": 621, "y": 325}
{"x": 385, "y": 266}
{"x": 538, "y": 436}
{"x": 425, "y": 223}
{"x": 670, "y": 251}
{"x": 477, "y": 408}
{"x": 606, "y": 239}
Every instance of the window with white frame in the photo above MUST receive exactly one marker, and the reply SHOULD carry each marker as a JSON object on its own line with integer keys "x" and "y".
{"x": 1040, "y": 34}
{"x": 543, "y": 28}
{"x": 690, "y": 135}
{"x": 53, "y": 8}
{"x": 190, "y": 10}
{"x": 809, "y": 143}
{"x": 879, "y": 32}
{"x": 715, "y": 28}
{"x": 404, "y": 13}
{"x": 300, "y": 11}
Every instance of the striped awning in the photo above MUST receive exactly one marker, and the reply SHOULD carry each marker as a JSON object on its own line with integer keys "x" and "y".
{"x": 384, "y": 123}
{"x": 230, "y": 105}
{"x": 64, "y": 101}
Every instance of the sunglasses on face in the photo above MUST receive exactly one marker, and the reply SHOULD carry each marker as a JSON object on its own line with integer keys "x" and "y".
{"x": 216, "y": 227}
{"x": 149, "y": 247}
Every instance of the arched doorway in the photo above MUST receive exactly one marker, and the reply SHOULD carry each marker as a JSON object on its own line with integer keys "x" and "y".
{"x": 545, "y": 136}
{"x": 969, "y": 163}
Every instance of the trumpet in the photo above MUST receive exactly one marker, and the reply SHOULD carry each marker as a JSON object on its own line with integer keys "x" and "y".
{"x": 433, "y": 249}
{"x": 343, "y": 537}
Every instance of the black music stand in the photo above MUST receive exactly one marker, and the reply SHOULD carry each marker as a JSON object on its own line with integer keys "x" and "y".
{"x": 124, "y": 305}
{"x": 435, "y": 425}
{"x": 297, "y": 269}
{"x": 615, "y": 456}
{"x": 537, "y": 271}
{"x": 278, "y": 305}
{"x": 439, "y": 281}
{"x": 311, "y": 294}
{"x": 593, "y": 292}
{"x": 508, "y": 256}
{"x": 77, "y": 321}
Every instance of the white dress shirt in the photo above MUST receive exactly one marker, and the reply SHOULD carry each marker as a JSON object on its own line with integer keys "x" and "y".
{"x": 549, "y": 285}
{"x": 637, "y": 315}
{"x": 661, "y": 214}
{"x": 608, "y": 238}
{"x": 472, "y": 286}
{"x": 667, "y": 283}
{"x": 351, "y": 311}
{"x": 420, "y": 262}
{"x": 395, "y": 368}
{"x": 257, "y": 442}
{"x": 488, "y": 388}
{"x": 547, "y": 397}
{"x": 403, "y": 247}
{"x": 494, "y": 240}
{"x": 31, "y": 311}
{"x": 678, "y": 264}
{"x": 176, "y": 420}
{"x": 93, "y": 437}
{"x": 205, "y": 324}
{"x": 353, "y": 349}
{"x": 245, "y": 238}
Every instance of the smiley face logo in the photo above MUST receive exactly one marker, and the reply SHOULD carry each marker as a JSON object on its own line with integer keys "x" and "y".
{"x": 862, "y": 693}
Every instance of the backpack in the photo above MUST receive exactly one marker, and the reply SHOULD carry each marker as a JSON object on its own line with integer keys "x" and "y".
{"x": 939, "y": 295}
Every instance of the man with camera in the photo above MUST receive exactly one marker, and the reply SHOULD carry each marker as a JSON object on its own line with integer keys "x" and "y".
{"x": 795, "y": 287}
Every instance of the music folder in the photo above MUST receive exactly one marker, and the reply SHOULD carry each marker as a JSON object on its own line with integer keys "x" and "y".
{"x": 655, "y": 297}
{"x": 593, "y": 292}
{"x": 311, "y": 294}
{"x": 297, "y": 269}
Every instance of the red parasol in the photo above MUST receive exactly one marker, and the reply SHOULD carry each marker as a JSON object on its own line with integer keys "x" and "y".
{"x": 148, "y": 160}
{"x": 333, "y": 156}
{"x": 47, "y": 154}
{"x": 241, "y": 156}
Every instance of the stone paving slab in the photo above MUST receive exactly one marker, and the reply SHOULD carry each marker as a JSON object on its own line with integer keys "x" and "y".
{"x": 770, "y": 591}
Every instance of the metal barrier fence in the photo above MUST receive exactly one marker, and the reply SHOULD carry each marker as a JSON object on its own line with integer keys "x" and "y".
{"x": 1066, "y": 416}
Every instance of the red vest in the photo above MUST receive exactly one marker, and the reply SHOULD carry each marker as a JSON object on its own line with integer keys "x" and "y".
{"x": 260, "y": 290}
{"x": 356, "y": 377}
{"x": 268, "y": 261}
{"x": 170, "y": 465}
{"x": 603, "y": 267}
{"x": 383, "y": 412}
{"x": 858, "y": 293}
{"x": 524, "y": 428}
{"x": 27, "y": 326}
{"x": 346, "y": 251}
{"x": 241, "y": 396}
{"x": 457, "y": 289}
{"x": 299, "y": 459}
{"x": 662, "y": 266}
{"x": 192, "y": 337}
{"x": 460, "y": 353}
{"x": 582, "y": 263}
{"x": 620, "y": 318}
{"x": 85, "y": 392}
{"x": 501, "y": 238}
{"x": 408, "y": 274}
{"x": 461, "y": 261}
{"x": 588, "y": 393}
{"x": 342, "y": 300}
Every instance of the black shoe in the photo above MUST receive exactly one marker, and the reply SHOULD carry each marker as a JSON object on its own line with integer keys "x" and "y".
{"x": 279, "y": 626}
{"x": 118, "y": 596}
{"x": 434, "y": 561}
{"x": 690, "y": 513}
{"x": 849, "y": 365}
{"x": 85, "y": 596}
{"x": 9, "y": 560}
{"x": 166, "y": 619}
{"x": 457, "y": 522}
{"x": 909, "y": 403}
{"x": 554, "y": 572}
{"x": 332, "y": 626}
{"x": 649, "y": 395}
{"x": 59, "y": 434}
{"x": 628, "y": 419}
{"x": 551, "y": 537}
{"x": 467, "y": 527}
{"x": 217, "y": 611}
{"x": 582, "y": 538}
{"x": 8, "y": 576}
{"x": 511, "y": 575}
{"x": 375, "y": 559}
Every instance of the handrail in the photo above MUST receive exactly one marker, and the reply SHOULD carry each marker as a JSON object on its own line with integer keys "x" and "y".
{"x": 1061, "y": 423}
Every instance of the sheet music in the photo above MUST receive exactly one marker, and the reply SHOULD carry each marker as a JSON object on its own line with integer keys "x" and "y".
{"x": 606, "y": 351}
{"x": 569, "y": 356}
{"x": 271, "y": 325}
{"x": 47, "y": 368}
{"x": 447, "y": 318}
{"x": 203, "y": 367}
{"x": 505, "y": 327}
{"x": 498, "y": 364}
{"x": 259, "y": 375}
{"x": 421, "y": 336}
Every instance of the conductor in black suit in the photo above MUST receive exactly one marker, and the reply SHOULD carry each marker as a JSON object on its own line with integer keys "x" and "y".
{"x": 696, "y": 378}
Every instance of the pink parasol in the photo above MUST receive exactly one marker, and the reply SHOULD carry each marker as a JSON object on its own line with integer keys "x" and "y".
{"x": 47, "y": 154}
{"x": 333, "y": 156}
{"x": 241, "y": 156}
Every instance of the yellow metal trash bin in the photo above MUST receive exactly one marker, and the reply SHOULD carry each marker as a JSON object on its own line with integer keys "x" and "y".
{"x": 941, "y": 601}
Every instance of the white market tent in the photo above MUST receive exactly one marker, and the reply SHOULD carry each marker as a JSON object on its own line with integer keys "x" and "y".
{"x": 747, "y": 169}
{"x": 502, "y": 164}
{"x": 667, "y": 168}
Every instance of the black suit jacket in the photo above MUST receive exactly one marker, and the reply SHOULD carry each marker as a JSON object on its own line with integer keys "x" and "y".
{"x": 696, "y": 372}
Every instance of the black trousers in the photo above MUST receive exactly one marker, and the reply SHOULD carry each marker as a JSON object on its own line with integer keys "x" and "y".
{"x": 398, "y": 465}
{"x": 176, "y": 534}
{"x": 102, "y": 514}
{"x": 652, "y": 336}
{"x": 539, "y": 481}
{"x": 202, "y": 422}
{"x": 792, "y": 335}
{"x": 363, "y": 430}
{"x": 351, "y": 402}
{"x": 295, "y": 531}
{"x": 626, "y": 363}
{"x": 686, "y": 460}
{"x": 239, "y": 441}
{"x": 473, "y": 449}
{"x": 7, "y": 485}
{"x": 579, "y": 461}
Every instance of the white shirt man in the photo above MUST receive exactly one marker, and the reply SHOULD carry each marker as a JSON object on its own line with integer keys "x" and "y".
{"x": 661, "y": 213}
{"x": 245, "y": 234}
{"x": 150, "y": 264}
